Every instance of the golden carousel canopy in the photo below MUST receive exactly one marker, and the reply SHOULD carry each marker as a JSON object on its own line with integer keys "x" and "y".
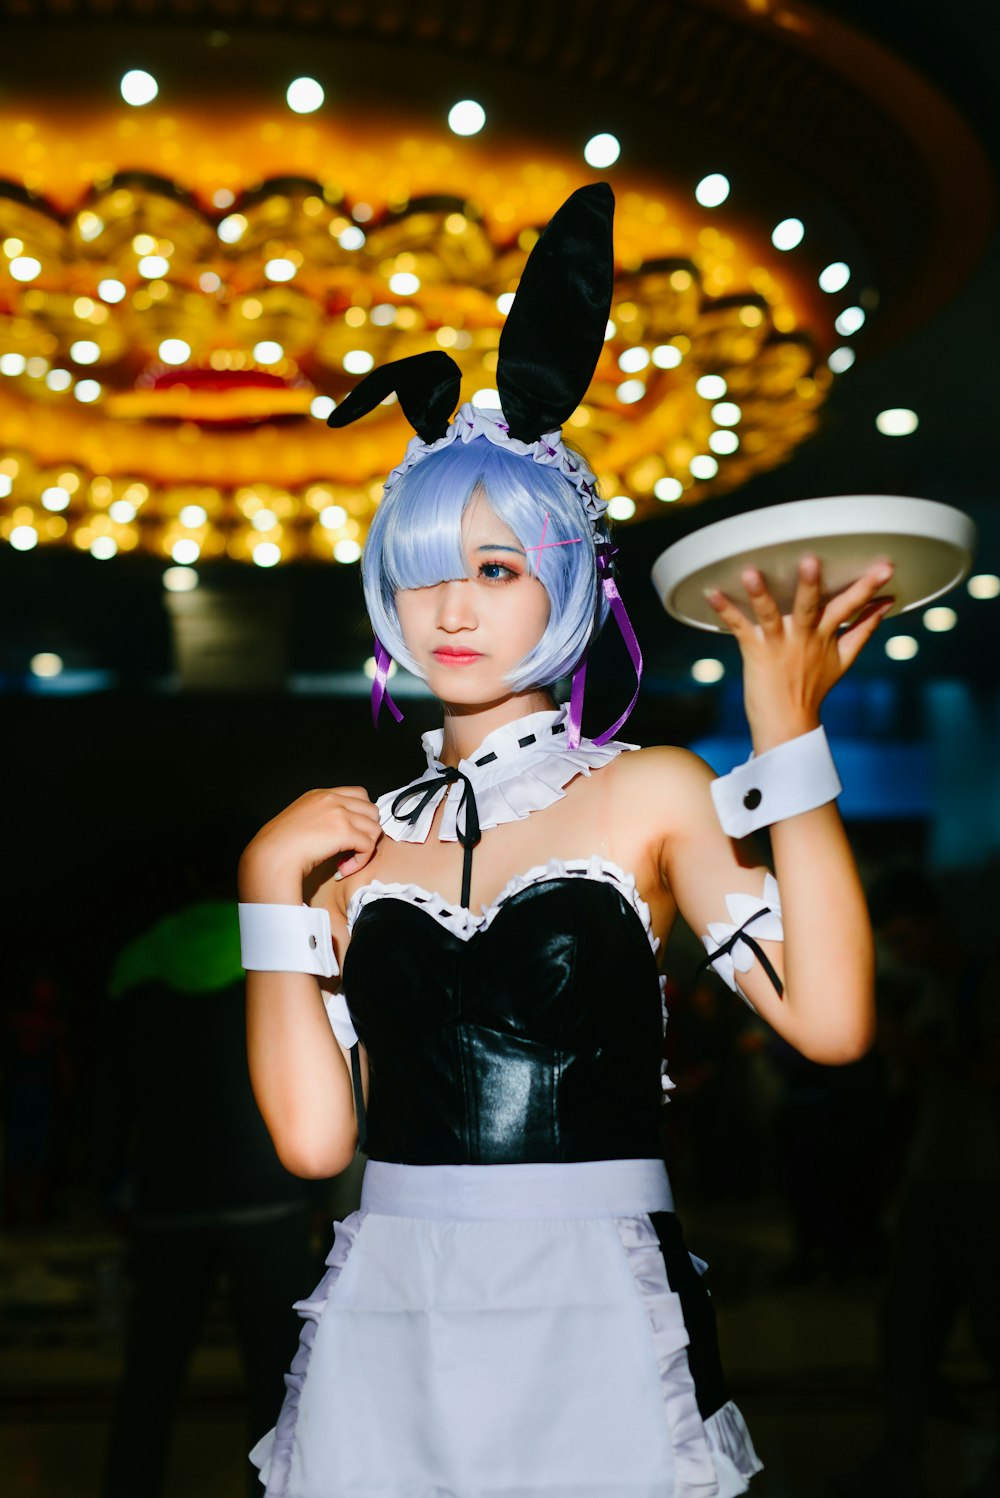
{"x": 207, "y": 236}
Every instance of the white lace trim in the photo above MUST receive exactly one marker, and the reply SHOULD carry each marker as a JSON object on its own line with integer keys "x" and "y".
{"x": 713, "y": 1458}
{"x": 516, "y": 781}
{"x": 464, "y": 923}
{"x": 665, "y": 1083}
{"x": 274, "y": 1454}
{"x": 732, "y": 1450}
{"x": 339, "y": 1016}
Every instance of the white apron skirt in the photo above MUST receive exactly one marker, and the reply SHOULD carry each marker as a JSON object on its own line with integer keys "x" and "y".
{"x": 500, "y": 1331}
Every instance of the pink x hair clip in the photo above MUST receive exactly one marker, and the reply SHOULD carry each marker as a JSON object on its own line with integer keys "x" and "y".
{"x": 544, "y": 545}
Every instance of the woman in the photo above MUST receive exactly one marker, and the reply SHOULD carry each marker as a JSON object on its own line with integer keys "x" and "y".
{"x": 513, "y": 1311}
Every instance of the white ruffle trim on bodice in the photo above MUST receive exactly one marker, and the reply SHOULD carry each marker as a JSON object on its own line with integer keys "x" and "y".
{"x": 465, "y": 924}
{"x": 518, "y": 780}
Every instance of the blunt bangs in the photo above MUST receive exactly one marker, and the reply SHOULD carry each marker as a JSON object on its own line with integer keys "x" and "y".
{"x": 415, "y": 541}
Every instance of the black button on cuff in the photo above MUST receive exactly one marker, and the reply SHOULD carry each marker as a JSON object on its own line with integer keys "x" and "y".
{"x": 312, "y": 942}
{"x": 752, "y": 799}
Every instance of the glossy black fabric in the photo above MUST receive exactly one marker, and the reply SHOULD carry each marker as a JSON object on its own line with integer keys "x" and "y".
{"x": 554, "y": 332}
{"x": 550, "y": 343}
{"x": 428, "y": 387}
{"x": 537, "y": 1039}
{"x": 698, "y": 1312}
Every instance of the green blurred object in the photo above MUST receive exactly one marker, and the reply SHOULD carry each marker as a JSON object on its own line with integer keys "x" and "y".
{"x": 196, "y": 950}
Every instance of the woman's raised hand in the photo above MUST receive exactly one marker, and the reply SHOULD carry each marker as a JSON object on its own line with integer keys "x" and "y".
{"x": 320, "y": 826}
{"x": 791, "y": 661}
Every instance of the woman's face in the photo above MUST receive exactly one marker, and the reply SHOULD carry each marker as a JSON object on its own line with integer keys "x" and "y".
{"x": 468, "y": 634}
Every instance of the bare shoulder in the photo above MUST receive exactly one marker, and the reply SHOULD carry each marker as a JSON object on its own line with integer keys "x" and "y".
{"x": 660, "y": 760}
{"x": 666, "y": 786}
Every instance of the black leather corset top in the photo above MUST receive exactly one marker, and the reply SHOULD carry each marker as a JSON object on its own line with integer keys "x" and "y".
{"x": 537, "y": 1037}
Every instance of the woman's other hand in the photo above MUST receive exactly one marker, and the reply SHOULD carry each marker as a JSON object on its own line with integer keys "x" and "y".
{"x": 340, "y": 825}
{"x": 791, "y": 661}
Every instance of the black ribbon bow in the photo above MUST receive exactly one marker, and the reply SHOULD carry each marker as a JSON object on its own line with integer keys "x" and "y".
{"x": 743, "y": 935}
{"x": 469, "y": 833}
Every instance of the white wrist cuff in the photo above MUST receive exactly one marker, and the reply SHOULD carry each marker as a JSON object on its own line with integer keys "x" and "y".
{"x": 794, "y": 777}
{"x": 287, "y": 939}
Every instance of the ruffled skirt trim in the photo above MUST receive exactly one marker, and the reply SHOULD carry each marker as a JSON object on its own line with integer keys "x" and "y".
{"x": 732, "y": 1450}
{"x": 273, "y": 1452}
{"x": 713, "y": 1458}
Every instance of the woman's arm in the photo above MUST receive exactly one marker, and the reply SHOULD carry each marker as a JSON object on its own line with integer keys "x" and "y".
{"x": 826, "y": 958}
{"x": 301, "y": 1074}
{"x": 300, "y": 1080}
{"x": 825, "y": 961}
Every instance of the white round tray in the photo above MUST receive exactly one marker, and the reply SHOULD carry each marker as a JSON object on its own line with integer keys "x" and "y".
{"x": 931, "y": 545}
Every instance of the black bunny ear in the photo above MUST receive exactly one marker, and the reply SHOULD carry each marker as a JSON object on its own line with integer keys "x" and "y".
{"x": 428, "y": 387}
{"x": 554, "y": 332}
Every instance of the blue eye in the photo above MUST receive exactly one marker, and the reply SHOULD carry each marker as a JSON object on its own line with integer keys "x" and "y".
{"x": 496, "y": 572}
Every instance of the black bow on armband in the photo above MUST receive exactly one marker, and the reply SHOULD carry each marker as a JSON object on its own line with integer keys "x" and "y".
{"x": 743, "y": 935}
{"x": 469, "y": 833}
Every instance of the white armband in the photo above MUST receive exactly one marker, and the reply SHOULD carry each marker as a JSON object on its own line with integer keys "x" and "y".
{"x": 729, "y": 953}
{"x": 794, "y": 777}
{"x": 287, "y": 939}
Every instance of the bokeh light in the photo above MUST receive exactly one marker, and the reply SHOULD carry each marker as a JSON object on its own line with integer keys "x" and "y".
{"x": 601, "y": 151}
{"x": 897, "y": 422}
{"x": 850, "y": 321}
{"x": 712, "y": 190}
{"x": 708, "y": 670}
{"x": 834, "y": 277}
{"x": 46, "y": 663}
{"x": 305, "y": 95}
{"x": 621, "y": 507}
{"x": 139, "y": 87}
{"x": 788, "y": 235}
{"x": 466, "y": 117}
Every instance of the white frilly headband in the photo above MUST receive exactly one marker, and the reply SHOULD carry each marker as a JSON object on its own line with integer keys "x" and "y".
{"x": 471, "y": 421}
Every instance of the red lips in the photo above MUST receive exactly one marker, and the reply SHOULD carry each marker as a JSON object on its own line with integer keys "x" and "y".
{"x": 451, "y": 657}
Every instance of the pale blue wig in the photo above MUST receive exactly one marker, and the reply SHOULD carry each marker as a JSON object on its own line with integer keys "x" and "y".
{"x": 415, "y": 541}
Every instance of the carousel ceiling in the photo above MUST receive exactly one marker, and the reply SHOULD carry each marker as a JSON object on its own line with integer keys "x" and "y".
{"x": 188, "y": 284}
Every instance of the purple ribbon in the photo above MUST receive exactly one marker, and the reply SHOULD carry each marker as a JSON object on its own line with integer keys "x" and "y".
{"x": 380, "y": 685}
{"x": 605, "y": 553}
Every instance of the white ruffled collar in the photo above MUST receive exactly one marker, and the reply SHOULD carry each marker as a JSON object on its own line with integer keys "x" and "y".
{"x": 521, "y": 767}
